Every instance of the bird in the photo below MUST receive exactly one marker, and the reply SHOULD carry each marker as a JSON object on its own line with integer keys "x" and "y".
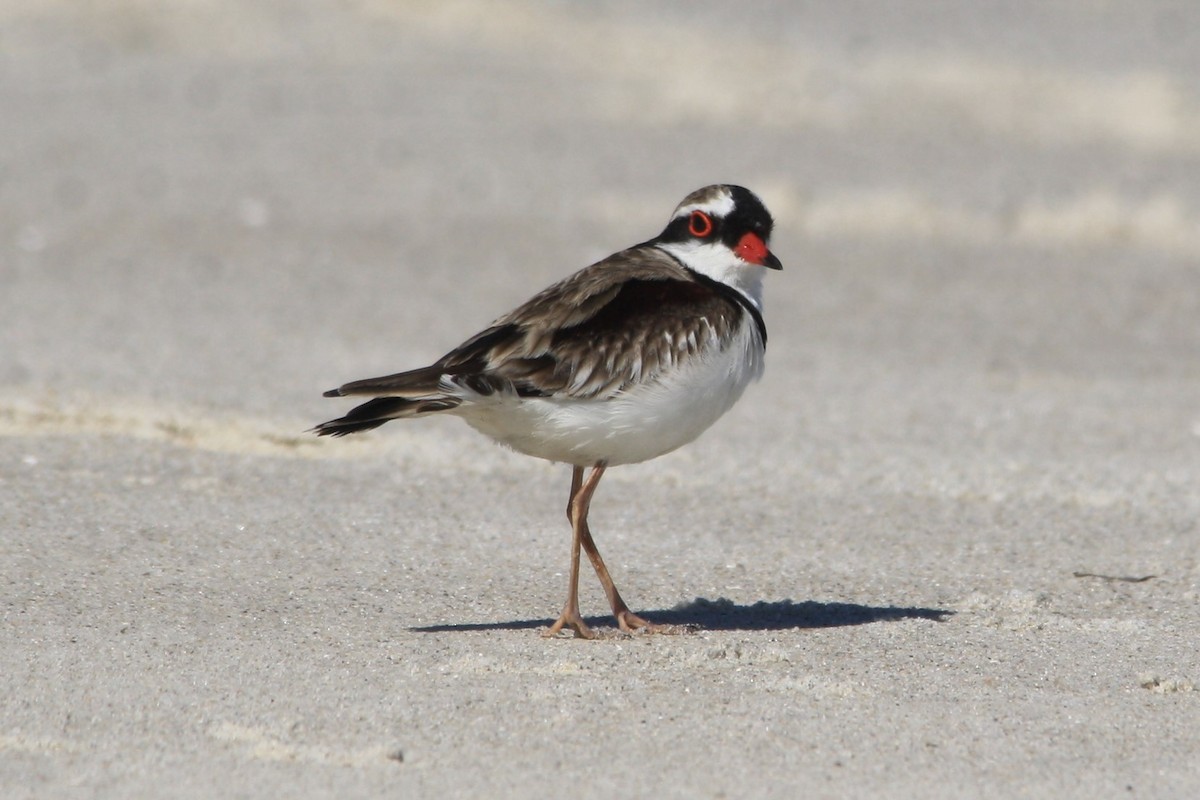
{"x": 621, "y": 362}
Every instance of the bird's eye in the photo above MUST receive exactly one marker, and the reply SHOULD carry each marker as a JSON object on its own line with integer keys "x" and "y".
{"x": 700, "y": 224}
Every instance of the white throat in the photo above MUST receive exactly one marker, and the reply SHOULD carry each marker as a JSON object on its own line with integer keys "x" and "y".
{"x": 715, "y": 260}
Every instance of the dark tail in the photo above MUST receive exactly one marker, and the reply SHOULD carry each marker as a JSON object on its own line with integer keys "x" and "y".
{"x": 423, "y": 381}
{"x": 374, "y": 413}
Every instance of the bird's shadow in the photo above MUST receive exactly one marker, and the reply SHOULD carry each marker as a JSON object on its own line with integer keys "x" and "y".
{"x": 725, "y": 615}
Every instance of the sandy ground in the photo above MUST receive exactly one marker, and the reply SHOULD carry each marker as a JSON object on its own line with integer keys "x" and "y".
{"x": 948, "y": 547}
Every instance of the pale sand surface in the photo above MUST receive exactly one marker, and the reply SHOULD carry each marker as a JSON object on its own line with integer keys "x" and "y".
{"x": 983, "y": 378}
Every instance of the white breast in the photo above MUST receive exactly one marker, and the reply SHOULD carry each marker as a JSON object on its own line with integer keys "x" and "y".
{"x": 643, "y": 422}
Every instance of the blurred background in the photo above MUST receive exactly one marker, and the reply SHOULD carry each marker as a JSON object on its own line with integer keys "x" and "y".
{"x": 989, "y": 217}
{"x": 240, "y": 204}
{"x": 983, "y": 381}
{"x": 988, "y": 213}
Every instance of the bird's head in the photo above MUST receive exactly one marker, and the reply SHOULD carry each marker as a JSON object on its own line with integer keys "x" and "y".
{"x": 722, "y": 232}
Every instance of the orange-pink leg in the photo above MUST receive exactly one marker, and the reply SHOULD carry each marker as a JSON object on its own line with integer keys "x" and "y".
{"x": 570, "y": 616}
{"x": 581, "y": 536}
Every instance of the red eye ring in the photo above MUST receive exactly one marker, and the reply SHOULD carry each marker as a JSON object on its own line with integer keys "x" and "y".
{"x": 700, "y": 224}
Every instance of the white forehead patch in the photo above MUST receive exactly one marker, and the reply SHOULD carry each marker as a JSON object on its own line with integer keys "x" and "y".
{"x": 719, "y": 206}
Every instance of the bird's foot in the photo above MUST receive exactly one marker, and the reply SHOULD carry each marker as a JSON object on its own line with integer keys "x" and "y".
{"x": 630, "y": 622}
{"x": 570, "y": 618}
{"x": 627, "y": 621}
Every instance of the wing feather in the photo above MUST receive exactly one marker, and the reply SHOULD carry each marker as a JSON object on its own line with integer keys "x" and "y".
{"x": 613, "y": 324}
{"x": 618, "y": 322}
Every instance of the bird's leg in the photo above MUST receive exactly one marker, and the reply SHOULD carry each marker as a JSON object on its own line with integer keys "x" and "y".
{"x": 570, "y": 613}
{"x": 626, "y": 619}
{"x": 581, "y": 536}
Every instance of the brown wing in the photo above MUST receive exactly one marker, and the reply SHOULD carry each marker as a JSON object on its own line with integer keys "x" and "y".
{"x": 615, "y": 323}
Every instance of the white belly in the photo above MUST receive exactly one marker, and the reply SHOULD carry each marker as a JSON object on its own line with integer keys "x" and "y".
{"x": 641, "y": 423}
